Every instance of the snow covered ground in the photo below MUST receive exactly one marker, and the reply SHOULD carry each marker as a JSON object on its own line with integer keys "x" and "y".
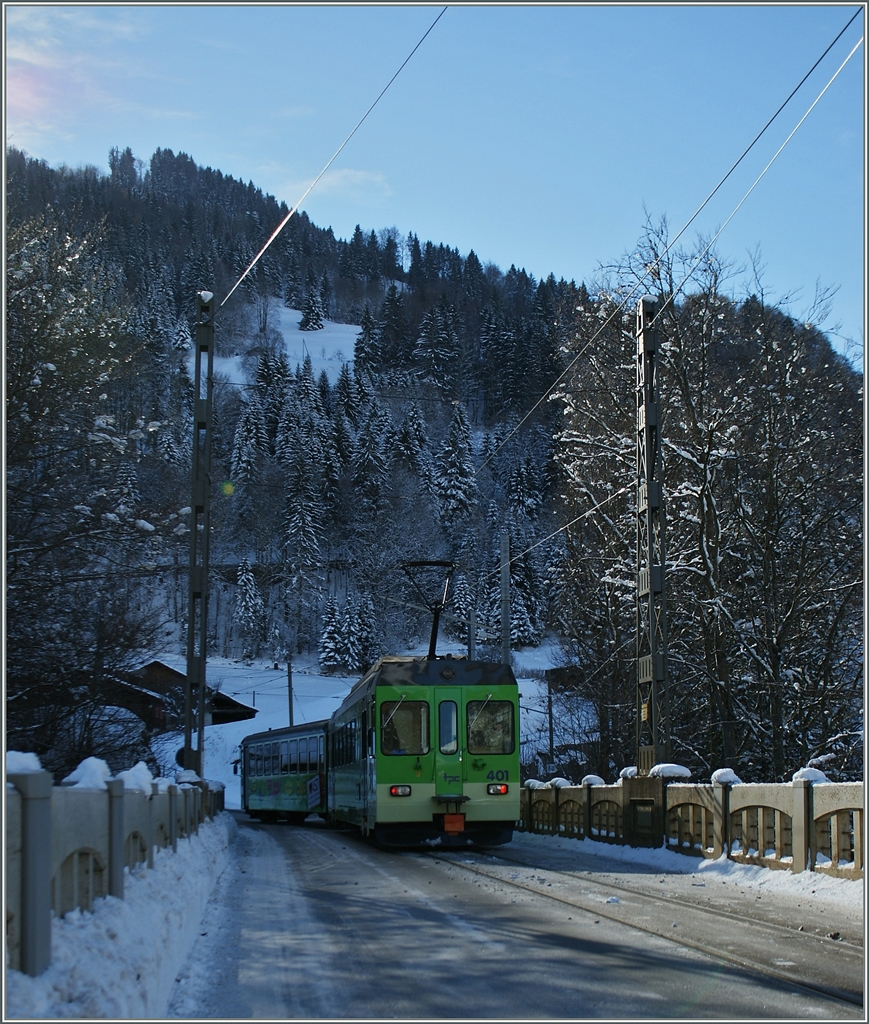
{"x": 328, "y": 348}
{"x": 121, "y": 961}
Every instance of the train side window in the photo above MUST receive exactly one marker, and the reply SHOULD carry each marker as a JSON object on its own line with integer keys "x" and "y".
{"x": 313, "y": 759}
{"x": 404, "y": 727}
{"x": 285, "y": 758}
{"x": 448, "y": 726}
{"x": 259, "y": 759}
{"x": 251, "y": 762}
{"x": 276, "y": 759}
{"x": 321, "y": 753}
{"x": 303, "y": 756}
{"x": 490, "y": 727}
{"x": 294, "y": 756}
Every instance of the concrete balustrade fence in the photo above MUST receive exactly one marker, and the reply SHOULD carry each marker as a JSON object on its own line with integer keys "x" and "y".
{"x": 797, "y": 826}
{"x": 68, "y": 846}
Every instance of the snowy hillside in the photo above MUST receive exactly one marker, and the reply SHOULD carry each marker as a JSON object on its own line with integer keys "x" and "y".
{"x": 328, "y": 348}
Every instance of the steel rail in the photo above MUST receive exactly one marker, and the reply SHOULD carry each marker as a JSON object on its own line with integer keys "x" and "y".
{"x": 608, "y": 911}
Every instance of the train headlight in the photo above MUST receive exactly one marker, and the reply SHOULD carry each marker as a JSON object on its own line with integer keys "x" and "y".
{"x": 399, "y": 790}
{"x": 497, "y": 789}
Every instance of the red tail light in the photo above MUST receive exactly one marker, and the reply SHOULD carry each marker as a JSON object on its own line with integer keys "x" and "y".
{"x": 399, "y": 790}
{"x": 497, "y": 789}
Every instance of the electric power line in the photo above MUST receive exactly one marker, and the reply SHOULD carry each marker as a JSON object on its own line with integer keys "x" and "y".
{"x": 334, "y": 156}
{"x": 650, "y": 270}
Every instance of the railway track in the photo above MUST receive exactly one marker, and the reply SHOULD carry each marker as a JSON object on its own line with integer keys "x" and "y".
{"x": 816, "y": 964}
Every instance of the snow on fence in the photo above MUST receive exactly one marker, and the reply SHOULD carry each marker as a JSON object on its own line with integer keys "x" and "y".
{"x": 67, "y": 846}
{"x": 796, "y": 826}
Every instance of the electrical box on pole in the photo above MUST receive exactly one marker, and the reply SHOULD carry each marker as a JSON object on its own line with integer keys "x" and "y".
{"x": 653, "y": 716}
{"x": 200, "y": 527}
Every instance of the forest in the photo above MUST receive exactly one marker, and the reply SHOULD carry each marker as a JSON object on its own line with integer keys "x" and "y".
{"x": 478, "y": 402}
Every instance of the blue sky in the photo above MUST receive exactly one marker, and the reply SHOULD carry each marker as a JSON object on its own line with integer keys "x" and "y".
{"x": 537, "y": 135}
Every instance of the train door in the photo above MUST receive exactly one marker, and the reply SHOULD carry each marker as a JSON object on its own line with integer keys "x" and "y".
{"x": 369, "y": 772}
{"x": 448, "y": 748}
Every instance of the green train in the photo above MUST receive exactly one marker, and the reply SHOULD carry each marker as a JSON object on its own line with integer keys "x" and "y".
{"x": 283, "y": 773}
{"x": 423, "y": 750}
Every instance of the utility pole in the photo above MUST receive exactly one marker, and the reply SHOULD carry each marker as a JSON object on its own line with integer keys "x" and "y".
{"x": 653, "y": 714}
{"x": 551, "y": 723}
{"x": 505, "y": 599}
{"x": 200, "y": 528}
{"x": 290, "y": 685}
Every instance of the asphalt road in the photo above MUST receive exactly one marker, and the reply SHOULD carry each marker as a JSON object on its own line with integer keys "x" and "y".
{"x": 315, "y": 923}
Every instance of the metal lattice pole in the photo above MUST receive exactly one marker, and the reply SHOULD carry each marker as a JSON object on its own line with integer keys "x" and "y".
{"x": 200, "y": 523}
{"x": 653, "y": 717}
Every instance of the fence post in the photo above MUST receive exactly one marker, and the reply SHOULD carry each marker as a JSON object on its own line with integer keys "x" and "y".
{"x": 801, "y": 820}
{"x": 720, "y": 819}
{"x": 173, "y": 817}
{"x": 116, "y": 837}
{"x": 586, "y": 809}
{"x": 35, "y": 910}
{"x": 155, "y": 790}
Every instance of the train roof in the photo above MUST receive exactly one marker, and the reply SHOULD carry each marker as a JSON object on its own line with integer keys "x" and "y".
{"x": 287, "y": 730}
{"x": 405, "y": 670}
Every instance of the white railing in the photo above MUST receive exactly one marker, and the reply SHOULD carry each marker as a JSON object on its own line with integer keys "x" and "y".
{"x": 67, "y": 846}
{"x": 797, "y": 825}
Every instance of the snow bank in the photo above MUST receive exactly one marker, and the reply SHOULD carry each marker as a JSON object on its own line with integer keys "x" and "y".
{"x": 749, "y": 877}
{"x": 16, "y": 761}
{"x": 121, "y": 960}
{"x": 592, "y": 780}
{"x": 810, "y": 775}
{"x": 669, "y": 771}
{"x": 724, "y": 776}
{"x": 92, "y": 773}
{"x": 138, "y": 777}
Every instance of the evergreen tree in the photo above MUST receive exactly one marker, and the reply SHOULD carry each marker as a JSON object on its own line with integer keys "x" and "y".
{"x": 312, "y": 313}
{"x": 352, "y": 639}
{"x": 395, "y": 337}
{"x": 250, "y": 443}
{"x": 332, "y": 647}
{"x": 250, "y": 610}
{"x": 366, "y": 352}
{"x": 411, "y": 446}
{"x": 182, "y": 340}
{"x": 369, "y": 466}
{"x": 455, "y": 482}
{"x": 347, "y": 398}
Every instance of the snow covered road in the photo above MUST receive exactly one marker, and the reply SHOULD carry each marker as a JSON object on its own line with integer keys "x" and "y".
{"x": 310, "y": 922}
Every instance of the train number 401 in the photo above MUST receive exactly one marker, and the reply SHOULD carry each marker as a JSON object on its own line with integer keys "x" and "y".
{"x": 498, "y": 776}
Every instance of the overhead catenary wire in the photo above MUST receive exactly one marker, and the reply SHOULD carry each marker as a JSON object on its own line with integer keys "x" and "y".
{"x": 687, "y": 277}
{"x": 329, "y": 163}
{"x": 653, "y": 267}
{"x": 708, "y": 246}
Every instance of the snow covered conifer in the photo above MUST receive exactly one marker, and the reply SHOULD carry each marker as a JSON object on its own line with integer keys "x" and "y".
{"x": 455, "y": 484}
{"x": 366, "y": 352}
{"x": 332, "y": 646}
{"x": 312, "y": 313}
{"x": 250, "y": 610}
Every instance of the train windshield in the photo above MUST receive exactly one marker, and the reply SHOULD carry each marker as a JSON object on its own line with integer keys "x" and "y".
{"x": 404, "y": 727}
{"x": 490, "y": 727}
{"x": 448, "y": 726}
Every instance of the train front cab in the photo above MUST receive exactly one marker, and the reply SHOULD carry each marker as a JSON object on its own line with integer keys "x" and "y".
{"x": 447, "y": 758}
